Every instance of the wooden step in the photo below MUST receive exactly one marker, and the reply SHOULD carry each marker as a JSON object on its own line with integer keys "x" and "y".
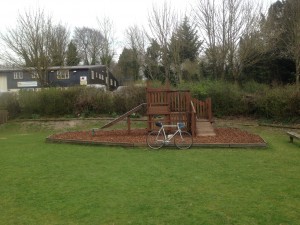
{"x": 204, "y": 128}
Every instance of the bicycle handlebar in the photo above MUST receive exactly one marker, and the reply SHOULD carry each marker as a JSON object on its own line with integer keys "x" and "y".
{"x": 180, "y": 125}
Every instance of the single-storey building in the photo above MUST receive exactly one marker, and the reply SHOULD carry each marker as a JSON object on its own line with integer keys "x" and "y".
{"x": 66, "y": 76}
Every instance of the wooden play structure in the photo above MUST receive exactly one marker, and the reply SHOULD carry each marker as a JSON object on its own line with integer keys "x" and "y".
{"x": 173, "y": 106}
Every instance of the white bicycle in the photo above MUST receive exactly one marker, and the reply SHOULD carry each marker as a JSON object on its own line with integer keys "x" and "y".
{"x": 157, "y": 139}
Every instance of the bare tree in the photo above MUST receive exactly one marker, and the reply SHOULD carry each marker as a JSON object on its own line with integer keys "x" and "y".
{"x": 107, "y": 47}
{"x": 136, "y": 39}
{"x": 58, "y": 45}
{"x": 88, "y": 42}
{"x": 223, "y": 25}
{"x": 28, "y": 45}
{"x": 292, "y": 25}
{"x": 205, "y": 15}
{"x": 162, "y": 23}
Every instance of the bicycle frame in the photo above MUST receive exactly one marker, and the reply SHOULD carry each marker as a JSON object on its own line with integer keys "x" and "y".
{"x": 157, "y": 139}
{"x": 168, "y": 138}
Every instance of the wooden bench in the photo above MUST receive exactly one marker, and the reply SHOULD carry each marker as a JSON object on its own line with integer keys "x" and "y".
{"x": 293, "y": 135}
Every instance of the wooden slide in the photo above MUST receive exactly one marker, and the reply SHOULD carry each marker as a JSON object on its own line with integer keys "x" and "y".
{"x": 124, "y": 116}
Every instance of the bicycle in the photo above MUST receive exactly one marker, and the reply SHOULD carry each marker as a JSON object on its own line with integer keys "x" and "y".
{"x": 157, "y": 139}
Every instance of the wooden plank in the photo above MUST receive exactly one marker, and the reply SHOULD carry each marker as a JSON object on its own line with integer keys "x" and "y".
{"x": 123, "y": 116}
{"x": 153, "y": 110}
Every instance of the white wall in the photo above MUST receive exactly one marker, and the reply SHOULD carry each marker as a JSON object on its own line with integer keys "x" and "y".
{"x": 3, "y": 83}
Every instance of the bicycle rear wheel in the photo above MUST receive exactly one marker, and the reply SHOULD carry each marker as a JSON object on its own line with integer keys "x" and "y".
{"x": 183, "y": 141}
{"x": 155, "y": 139}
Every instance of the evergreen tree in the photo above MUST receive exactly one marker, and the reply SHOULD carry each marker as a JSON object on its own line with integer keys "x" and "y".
{"x": 279, "y": 61}
{"x": 128, "y": 65}
{"x": 189, "y": 41}
{"x": 154, "y": 69}
{"x": 72, "y": 55}
{"x": 184, "y": 51}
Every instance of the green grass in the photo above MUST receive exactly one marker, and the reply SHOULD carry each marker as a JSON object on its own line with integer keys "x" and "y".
{"x": 45, "y": 183}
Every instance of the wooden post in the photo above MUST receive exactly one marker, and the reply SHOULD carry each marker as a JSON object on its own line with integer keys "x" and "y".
{"x": 188, "y": 110}
{"x": 128, "y": 124}
{"x": 209, "y": 110}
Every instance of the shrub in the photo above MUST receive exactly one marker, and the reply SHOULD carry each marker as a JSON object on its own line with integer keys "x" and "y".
{"x": 250, "y": 99}
{"x": 226, "y": 97}
{"x": 29, "y": 102}
{"x": 9, "y": 101}
{"x": 128, "y": 98}
{"x": 48, "y": 102}
{"x": 252, "y": 87}
{"x": 279, "y": 103}
{"x": 93, "y": 101}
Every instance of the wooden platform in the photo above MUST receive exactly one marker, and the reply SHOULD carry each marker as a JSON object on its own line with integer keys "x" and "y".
{"x": 174, "y": 106}
{"x": 204, "y": 128}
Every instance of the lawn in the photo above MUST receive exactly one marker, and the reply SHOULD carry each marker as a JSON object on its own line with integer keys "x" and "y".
{"x": 45, "y": 183}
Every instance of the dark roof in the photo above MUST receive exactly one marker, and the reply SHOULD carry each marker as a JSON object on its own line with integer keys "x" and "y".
{"x": 76, "y": 67}
{"x": 57, "y": 68}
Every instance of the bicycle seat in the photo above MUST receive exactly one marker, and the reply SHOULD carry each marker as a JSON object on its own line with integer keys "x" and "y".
{"x": 181, "y": 125}
{"x": 158, "y": 124}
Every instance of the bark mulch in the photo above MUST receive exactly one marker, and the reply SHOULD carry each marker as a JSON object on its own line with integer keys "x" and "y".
{"x": 226, "y": 137}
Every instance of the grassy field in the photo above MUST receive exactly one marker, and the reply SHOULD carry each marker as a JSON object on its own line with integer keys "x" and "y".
{"x": 61, "y": 184}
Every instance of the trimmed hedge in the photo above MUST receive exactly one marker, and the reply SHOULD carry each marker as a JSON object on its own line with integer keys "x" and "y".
{"x": 74, "y": 101}
{"x": 280, "y": 103}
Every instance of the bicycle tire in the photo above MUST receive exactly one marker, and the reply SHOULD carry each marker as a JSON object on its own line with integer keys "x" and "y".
{"x": 183, "y": 141}
{"x": 155, "y": 139}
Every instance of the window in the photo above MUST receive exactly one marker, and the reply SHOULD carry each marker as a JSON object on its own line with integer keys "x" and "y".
{"x": 63, "y": 74}
{"x": 34, "y": 75}
{"x": 111, "y": 82}
{"x": 115, "y": 83}
{"x": 18, "y": 75}
{"x": 92, "y": 74}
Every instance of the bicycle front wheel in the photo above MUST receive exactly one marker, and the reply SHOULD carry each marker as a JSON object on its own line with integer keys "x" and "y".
{"x": 183, "y": 140}
{"x": 155, "y": 139}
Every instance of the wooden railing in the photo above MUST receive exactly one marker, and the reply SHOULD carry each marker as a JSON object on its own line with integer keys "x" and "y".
{"x": 177, "y": 101}
{"x": 203, "y": 109}
{"x": 3, "y": 116}
{"x": 173, "y": 105}
{"x": 176, "y": 106}
{"x": 193, "y": 119}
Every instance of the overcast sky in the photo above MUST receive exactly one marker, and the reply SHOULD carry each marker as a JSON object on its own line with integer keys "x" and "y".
{"x": 73, "y": 13}
{"x": 123, "y": 13}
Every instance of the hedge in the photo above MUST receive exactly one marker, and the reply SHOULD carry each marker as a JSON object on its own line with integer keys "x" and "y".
{"x": 228, "y": 99}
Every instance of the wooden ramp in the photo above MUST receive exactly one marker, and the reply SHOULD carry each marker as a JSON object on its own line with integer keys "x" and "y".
{"x": 204, "y": 128}
{"x": 123, "y": 116}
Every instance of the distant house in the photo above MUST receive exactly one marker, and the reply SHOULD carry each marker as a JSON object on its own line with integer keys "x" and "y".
{"x": 67, "y": 76}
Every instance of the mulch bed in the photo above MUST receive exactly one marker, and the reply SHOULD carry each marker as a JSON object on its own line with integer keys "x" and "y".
{"x": 226, "y": 137}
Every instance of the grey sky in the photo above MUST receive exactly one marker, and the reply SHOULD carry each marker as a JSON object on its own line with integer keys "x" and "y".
{"x": 72, "y": 13}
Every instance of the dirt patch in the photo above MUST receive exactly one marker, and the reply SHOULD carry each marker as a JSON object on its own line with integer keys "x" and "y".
{"x": 138, "y": 136}
{"x": 53, "y": 125}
